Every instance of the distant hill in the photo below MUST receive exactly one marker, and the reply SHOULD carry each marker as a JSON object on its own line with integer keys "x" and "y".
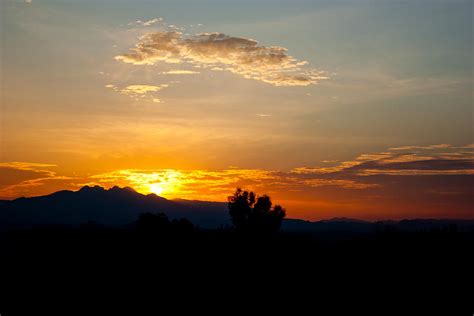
{"x": 337, "y": 225}
{"x": 122, "y": 206}
{"x": 347, "y": 225}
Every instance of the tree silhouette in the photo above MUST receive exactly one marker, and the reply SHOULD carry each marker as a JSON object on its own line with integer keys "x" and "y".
{"x": 252, "y": 214}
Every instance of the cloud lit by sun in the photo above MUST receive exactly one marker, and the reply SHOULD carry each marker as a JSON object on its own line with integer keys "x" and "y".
{"x": 165, "y": 183}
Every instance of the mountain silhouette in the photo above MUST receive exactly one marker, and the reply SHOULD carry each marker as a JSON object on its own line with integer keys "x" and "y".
{"x": 112, "y": 207}
{"x": 349, "y": 225}
{"x": 122, "y": 206}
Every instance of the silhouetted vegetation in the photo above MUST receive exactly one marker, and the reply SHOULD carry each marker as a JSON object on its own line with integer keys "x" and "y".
{"x": 167, "y": 253}
{"x": 254, "y": 214}
{"x": 159, "y": 223}
{"x": 153, "y": 223}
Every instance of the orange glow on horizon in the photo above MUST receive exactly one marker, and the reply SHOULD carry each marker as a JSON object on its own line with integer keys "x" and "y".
{"x": 368, "y": 187}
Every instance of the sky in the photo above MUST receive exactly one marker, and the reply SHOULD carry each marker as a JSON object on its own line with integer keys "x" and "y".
{"x": 360, "y": 109}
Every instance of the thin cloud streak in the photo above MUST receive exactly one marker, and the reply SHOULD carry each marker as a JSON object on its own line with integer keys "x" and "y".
{"x": 180, "y": 72}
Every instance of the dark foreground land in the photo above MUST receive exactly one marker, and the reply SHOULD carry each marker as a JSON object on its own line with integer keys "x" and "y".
{"x": 432, "y": 269}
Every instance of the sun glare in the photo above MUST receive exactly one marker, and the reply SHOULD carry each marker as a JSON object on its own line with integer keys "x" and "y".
{"x": 165, "y": 182}
{"x": 156, "y": 188}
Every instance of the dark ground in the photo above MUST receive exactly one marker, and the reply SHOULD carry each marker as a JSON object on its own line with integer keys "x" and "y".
{"x": 43, "y": 267}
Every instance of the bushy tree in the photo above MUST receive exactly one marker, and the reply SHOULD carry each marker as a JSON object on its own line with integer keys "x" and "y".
{"x": 254, "y": 214}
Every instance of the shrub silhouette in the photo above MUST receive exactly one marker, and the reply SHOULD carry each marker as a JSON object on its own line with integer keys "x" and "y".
{"x": 182, "y": 226}
{"x": 159, "y": 223}
{"x": 153, "y": 223}
{"x": 254, "y": 214}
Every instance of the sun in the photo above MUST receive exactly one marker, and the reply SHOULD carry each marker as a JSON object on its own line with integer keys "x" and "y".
{"x": 156, "y": 188}
{"x": 166, "y": 182}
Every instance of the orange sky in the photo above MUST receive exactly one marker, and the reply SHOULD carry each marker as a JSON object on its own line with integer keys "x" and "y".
{"x": 429, "y": 181}
{"x": 333, "y": 110}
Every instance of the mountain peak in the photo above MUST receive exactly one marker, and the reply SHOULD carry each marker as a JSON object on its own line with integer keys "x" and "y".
{"x": 119, "y": 189}
{"x": 95, "y": 188}
{"x": 113, "y": 206}
{"x": 113, "y": 190}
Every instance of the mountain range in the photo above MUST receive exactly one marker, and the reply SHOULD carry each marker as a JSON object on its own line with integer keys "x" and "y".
{"x": 122, "y": 206}
{"x": 112, "y": 207}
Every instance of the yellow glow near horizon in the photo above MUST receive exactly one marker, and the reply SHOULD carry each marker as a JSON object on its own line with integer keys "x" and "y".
{"x": 166, "y": 182}
{"x": 188, "y": 184}
{"x": 156, "y": 188}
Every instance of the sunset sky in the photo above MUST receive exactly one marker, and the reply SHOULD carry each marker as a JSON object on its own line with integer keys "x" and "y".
{"x": 360, "y": 109}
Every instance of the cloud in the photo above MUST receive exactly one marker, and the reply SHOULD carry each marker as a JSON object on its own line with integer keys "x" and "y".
{"x": 379, "y": 185}
{"x": 22, "y": 178}
{"x": 440, "y": 146}
{"x": 241, "y": 56}
{"x": 424, "y": 161}
{"x": 148, "y": 22}
{"x": 151, "y": 22}
{"x": 191, "y": 184}
{"x": 12, "y": 173}
{"x": 25, "y": 165}
{"x": 218, "y": 184}
{"x": 139, "y": 90}
{"x": 180, "y": 72}
{"x": 346, "y": 184}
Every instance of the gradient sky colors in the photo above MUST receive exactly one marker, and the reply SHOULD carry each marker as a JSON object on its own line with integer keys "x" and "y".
{"x": 335, "y": 108}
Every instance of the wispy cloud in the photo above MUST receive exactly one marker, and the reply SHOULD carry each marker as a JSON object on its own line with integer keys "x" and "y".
{"x": 217, "y": 184}
{"x": 151, "y": 22}
{"x": 218, "y": 51}
{"x": 139, "y": 90}
{"x": 357, "y": 174}
{"x": 147, "y": 22}
{"x": 32, "y": 166}
{"x": 416, "y": 161}
{"x": 180, "y": 72}
{"x": 23, "y": 178}
{"x": 440, "y": 146}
